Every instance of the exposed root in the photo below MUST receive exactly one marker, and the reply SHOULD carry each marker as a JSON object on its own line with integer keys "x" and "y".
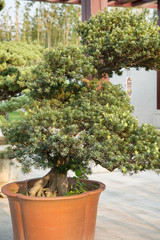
{"x": 53, "y": 184}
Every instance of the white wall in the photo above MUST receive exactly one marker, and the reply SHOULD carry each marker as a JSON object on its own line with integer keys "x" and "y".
{"x": 144, "y": 94}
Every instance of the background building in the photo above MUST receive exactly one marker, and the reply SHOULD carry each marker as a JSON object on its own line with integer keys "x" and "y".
{"x": 144, "y": 94}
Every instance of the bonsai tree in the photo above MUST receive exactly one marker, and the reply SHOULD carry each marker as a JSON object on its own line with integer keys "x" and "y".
{"x": 16, "y": 61}
{"x": 120, "y": 39}
{"x": 69, "y": 121}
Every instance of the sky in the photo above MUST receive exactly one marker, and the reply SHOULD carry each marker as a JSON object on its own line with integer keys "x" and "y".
{"x": 11, "y": 4}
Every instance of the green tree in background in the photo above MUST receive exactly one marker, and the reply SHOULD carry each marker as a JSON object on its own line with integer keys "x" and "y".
{"x": 26, "y": 31}
{"x": 48, "y": 24}
{"x": 16, "y": 61}
{"x": 1, "y": 4}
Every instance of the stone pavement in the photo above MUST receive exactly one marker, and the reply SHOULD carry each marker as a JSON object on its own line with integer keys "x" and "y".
{"x": 129, "y": 208}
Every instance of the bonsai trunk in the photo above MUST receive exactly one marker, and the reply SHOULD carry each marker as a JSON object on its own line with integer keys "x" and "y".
{"x": 52, "y": 184}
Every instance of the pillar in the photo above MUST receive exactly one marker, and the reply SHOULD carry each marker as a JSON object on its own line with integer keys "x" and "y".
{"x": 90, "y": 7}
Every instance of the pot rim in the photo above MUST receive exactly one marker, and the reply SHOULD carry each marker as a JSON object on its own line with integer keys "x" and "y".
{"x": 6, "y": 191}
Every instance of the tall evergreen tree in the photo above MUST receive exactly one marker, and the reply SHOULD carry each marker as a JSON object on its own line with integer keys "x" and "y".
{"x": 17, "y": 20}
{"x": 49, "y": 25}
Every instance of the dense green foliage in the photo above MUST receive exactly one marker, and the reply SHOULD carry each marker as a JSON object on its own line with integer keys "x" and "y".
{"x": 120, "y": 39}
{"x": 16, "y": 61}
{"x": 68, "y": 123}
{"x": 46, "y": 106}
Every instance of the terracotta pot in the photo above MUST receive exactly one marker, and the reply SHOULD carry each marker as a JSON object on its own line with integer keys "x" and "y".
{"x": 8, "y": 172}
{"x": 59, "y": 218}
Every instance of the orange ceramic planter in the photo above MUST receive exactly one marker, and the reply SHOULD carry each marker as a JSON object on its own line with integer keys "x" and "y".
{"x": 59, "y": 218}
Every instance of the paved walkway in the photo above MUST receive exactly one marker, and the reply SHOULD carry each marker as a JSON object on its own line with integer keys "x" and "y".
{"x": 129, "y": 208}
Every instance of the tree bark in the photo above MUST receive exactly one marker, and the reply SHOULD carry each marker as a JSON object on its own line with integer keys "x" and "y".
{"x": 17, "y": 23}
{"x": 51, "y": 185}
{"x": 6, "y": 116}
